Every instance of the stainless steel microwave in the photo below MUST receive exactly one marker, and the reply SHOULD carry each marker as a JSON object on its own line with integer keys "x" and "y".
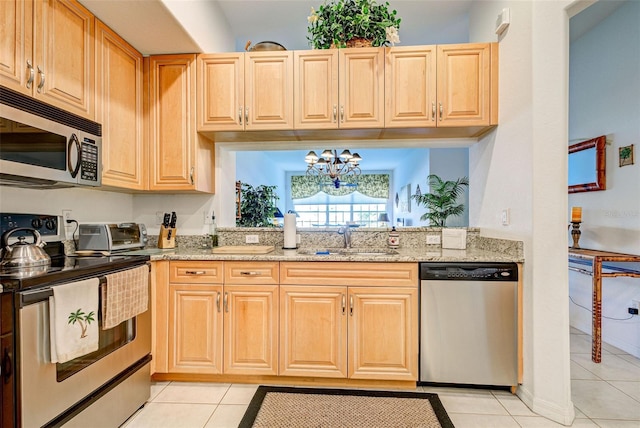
{"x": 42, "y": 146}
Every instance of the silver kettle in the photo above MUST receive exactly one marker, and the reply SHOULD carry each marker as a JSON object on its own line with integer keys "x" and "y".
{"x": 22, "y": 254}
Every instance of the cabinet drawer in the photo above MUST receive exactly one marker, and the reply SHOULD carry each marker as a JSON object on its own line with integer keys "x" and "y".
{"x": 251, "y": 273}
{"x": 195, "y": 272}
{"x": 351, "y": 273}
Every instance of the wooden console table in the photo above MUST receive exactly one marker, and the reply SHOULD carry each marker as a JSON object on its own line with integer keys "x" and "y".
{"x": 596, "y": 257}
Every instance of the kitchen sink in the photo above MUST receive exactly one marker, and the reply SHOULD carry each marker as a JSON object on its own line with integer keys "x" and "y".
{"x": 348, "y": 252}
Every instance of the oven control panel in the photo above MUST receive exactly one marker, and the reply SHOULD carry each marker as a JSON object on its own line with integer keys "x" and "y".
{"x": 50, "y": 227}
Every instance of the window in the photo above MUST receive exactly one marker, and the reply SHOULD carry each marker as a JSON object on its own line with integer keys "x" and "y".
{"x": 338, "y": 210}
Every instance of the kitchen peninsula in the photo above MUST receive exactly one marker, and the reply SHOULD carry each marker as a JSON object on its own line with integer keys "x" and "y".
{"x": 349, "y": 317}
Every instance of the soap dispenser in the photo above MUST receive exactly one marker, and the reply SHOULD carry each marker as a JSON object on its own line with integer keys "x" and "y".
{"x": 394, "y": 238}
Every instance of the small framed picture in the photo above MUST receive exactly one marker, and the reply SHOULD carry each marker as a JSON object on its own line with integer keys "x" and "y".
{"x": 625, "y": 155}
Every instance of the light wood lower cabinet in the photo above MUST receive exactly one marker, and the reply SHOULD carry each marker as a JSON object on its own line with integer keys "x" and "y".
{"x": 297, "y": 319}
{"x": 383, "y": 332}
{"x": 195, "y": 328}
{"x": 354, "y": 320}
{"x": 216, "y": 328}
{"x": 251, "y": 329}
{"x": 313, "y": 331}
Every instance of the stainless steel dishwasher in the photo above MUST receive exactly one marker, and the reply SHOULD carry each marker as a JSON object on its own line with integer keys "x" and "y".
{"x": 468, "y": 323}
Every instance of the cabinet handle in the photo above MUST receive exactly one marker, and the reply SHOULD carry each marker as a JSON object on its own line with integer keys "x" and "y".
{"x": 191, "y": 175}
{"x": 335, "y": 113}
{"x": 226, "y": 302}
{"x": 218, "y": 301}
{"x": 351, "y": 305}
{"x": 240, "y": 115}
{"x": 344, "y": 304}
{"x": 41, "y": 85}
{"x": 249, "y": 273}
{"x": 195, "y": 272}
{"x": 32, "y": 74}
{"x": 441, "y": 110}
{"x": 342, "y": 114}
{"x": 246, "y": 116}
{"x": 433, "y": 111}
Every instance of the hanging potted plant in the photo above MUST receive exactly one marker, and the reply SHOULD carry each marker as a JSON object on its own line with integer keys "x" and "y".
{"x": 352, "y": 23}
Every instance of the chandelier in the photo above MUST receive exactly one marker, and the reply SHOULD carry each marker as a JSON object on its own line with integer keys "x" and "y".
{"x": 330, "y": 165}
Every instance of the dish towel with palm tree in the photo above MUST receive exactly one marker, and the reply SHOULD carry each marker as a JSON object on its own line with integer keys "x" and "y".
{"x": 73, "y": 320}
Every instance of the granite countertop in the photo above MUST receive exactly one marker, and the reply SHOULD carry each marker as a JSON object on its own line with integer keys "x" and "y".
{"x": 308, "y": 254}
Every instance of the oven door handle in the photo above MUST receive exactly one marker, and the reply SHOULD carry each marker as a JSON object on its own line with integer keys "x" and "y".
{"x": 34, "y": 296}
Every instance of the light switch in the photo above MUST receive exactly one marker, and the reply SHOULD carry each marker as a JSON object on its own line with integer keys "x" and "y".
{"x": 505, "y": 217}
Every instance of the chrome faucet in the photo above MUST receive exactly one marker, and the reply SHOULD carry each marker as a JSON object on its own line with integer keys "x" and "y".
{"x": 346, "y": 231}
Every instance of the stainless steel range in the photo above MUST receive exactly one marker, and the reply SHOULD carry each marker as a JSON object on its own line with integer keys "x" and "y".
{"x": 101, "y": 388}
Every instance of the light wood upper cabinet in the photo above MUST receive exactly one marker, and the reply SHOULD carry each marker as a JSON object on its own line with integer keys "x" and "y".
{"x": 180, "y": 158}
{"x": 220, "y": 92}
{"x": 441, "y": 86}
{"x": 361, "y": 87}
{"x": 313, "y": 331}
{"x": 467, "y": 84}
{"x": 316, "y": 89}
{"x": 251, "y": 329}
{"x": 410, "y": 86}
{"x": 245, "y": 91}
{"x": 47, "y": 51}
{"x": 119, "y": 109}
{"x": 383, "y": 333}
{"x": 16, "y": 45}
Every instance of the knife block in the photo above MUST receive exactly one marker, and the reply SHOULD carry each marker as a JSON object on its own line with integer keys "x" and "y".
{"x": 167, "y": 237}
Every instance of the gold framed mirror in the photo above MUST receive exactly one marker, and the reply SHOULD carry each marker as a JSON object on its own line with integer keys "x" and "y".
{"x": 587, "y": 163}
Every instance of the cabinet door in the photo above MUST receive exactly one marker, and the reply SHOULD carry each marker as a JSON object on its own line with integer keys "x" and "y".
{"x": 464, "y": 84}
{"x": 172, "y": 122}
{"x": 383, "y": 333}
{"x": 251, "y": 329}
{"x": 195, "y": 328}
{"x": 268, "y": 90}
{"x": 220, "y": 92}
{"x": 16, "y": 48}
{"x": 361, "y": 87}
{"x": 119, "y": 109}
{"x": 313, "y": 331}
{"x": 410, "y": 86}
{"x": 64, "y": 56}
{"x": 316, "y": 89}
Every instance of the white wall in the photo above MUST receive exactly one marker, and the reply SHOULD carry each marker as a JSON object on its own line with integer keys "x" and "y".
{"x": 522, "y": 165}
{"x": 205, "y": 22}
{"x": 86, "y": 205}
{"x": 414, "y": 171}
{"x": 611, "y": 218}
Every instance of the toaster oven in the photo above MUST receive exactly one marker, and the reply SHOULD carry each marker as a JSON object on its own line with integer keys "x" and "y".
{"x": 111, "y": 237}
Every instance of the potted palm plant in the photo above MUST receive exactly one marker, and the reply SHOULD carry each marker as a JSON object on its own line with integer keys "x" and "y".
{"x": 442, "y": 201}
{"x": 352, "y": 23}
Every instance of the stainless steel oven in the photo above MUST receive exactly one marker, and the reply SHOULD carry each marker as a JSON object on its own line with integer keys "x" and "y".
{"x": 100, "y": 389}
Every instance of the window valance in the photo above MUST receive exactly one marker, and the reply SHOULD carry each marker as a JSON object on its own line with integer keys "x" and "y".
{"x": 372, "y": 185}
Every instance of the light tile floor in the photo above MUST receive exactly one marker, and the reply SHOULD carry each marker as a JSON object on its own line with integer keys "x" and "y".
{"x": 605, "y": 395}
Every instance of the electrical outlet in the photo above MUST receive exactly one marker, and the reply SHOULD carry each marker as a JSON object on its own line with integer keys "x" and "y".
{"x": 433, "y": 239}
{"x": 251, "y": 239}
{"x": 159, "y": 217}
{"x": 206, "y": 217}
{"x": 66, "y": 215}
{"x": 635, "y": 304}
{"x": 298, "y": 238}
